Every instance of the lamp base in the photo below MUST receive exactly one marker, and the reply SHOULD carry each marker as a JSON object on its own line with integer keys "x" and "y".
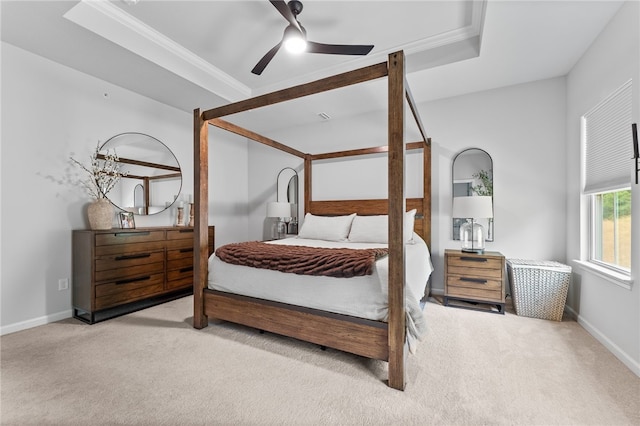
{"x": 473, "y": 250}
{"x": 472, "y": 237}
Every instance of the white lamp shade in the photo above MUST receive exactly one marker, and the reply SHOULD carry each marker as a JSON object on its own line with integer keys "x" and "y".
{"x": 473, "y": 207}
{"x": 277, "y": 209}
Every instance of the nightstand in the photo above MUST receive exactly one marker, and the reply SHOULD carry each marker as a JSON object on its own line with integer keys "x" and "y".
{"x": 475, "y": 279}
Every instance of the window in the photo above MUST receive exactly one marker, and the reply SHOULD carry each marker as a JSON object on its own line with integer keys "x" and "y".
{"x": 611, "y": 233}
{"x": 607, "y": 152}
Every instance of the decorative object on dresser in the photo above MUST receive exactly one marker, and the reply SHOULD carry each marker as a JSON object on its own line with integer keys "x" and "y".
{"x": 474, "y": 280}
{"x": 126, "y": 220}
{"x": 100, "y": 214}
{"x": 472, "y": 233}
{"x": 101, "y": 177}
{"x": 117, "y": 272}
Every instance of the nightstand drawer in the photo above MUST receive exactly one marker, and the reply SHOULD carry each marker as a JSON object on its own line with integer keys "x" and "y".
{"x": 495, "y": 273}
{"x": 474, "y": 282}
{"x": 476, "y": 262}
{"x": 474, "y": 293}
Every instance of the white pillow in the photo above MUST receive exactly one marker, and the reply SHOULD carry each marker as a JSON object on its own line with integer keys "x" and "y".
{"x": 329, "y": 228}
{"x": 375, "y": 229}
{"x": 370, "y": 229}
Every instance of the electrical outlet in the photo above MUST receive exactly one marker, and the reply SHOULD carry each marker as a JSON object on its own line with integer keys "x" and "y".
{"x": 63, "y": 284}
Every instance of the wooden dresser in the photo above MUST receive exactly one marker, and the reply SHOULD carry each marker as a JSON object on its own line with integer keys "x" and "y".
{"x": 123, "y": 270}
{"x": 475, "y": 279}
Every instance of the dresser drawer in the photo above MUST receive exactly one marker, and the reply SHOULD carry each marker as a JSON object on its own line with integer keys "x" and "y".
{"x": 184, "y": 280}
{"x": 120, "y": 249}
{"x": 125, "y": 291}
{"x": 180, "y": 244}
{"x": 128, "y": 237}
{"x": 114, "y": 270}
{"x": 181, "y": 234}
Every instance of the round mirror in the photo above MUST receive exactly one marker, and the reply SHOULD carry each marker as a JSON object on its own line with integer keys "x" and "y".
{"x": 153, "y": 180}
{"x": 472, "y": 174}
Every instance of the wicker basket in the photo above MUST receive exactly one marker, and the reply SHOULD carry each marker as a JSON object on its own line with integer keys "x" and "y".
{"x": 538, "y": 288}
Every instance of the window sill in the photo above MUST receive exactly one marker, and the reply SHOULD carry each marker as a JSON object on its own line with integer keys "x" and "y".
{"x": 622, "y": 280}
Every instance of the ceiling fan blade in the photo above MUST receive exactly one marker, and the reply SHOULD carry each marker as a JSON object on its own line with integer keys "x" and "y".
{"x": 338, "y": 49}
{"x": 284, "y": 10}
{"x": 262, "y": 63}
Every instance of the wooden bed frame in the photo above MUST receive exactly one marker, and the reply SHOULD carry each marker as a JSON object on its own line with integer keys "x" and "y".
{"x": 372, "y": 339}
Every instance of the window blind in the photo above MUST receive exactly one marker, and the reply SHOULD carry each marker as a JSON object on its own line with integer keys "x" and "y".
{"x": 608, "y": 143}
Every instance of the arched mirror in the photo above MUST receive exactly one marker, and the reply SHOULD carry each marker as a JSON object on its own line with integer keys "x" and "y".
{"x": 472, "y": 174}
{"x": 153, "y": 180}
{"x": 287, "y": 192}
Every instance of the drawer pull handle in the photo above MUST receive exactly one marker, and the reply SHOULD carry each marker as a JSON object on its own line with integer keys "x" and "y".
{"x": 474, "y": 280}
{"x": 133, "y": 256}
{"x": 186, "y": 250}
{"x": 131, "y": 234}
{"x": 185, "y": 230}
{"x": 132, "y": 280}
{"x": 474, "y": 259}
{"x": 189, "y": 269}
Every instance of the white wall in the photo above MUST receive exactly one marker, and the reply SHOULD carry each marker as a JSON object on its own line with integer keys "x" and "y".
{"x": 610, "y": 312}
{"x": 521, "y": 127}
{"x": 50, "y": 111}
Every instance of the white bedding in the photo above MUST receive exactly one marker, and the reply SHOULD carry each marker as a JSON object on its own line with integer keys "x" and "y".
{"x": 364, "y": 296}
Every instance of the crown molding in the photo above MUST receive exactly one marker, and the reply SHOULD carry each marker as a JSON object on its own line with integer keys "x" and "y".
{"x": 117, "y": 26}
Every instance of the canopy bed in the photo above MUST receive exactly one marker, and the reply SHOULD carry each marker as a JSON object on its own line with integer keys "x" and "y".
{"x": 377, "y": 339}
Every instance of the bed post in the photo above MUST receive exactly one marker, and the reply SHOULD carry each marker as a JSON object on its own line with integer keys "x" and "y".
{"x": 426, "y": 192}
{"x": 201, "y": 189}
{"x": 397, "y": 328}
{"x": 307, "y": 183}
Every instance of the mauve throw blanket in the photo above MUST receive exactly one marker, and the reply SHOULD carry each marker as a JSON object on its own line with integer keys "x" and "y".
{"x": 331, "y": 262}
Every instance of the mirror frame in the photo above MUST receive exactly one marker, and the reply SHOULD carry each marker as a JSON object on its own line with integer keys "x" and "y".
{"x": 289, "y": 190}
{"x": 173, "y": 172}
{"x": 471, "y": 182}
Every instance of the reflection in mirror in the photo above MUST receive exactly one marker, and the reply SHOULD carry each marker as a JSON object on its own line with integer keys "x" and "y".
{"x": 287, "y": 191}
{"x": 154, "y": 178}
{"x": 472, "y": 174}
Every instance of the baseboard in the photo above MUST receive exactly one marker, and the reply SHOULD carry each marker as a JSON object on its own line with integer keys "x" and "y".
{"x": 632, "y": 364}
{"x": 24, "y": 325}
{"x": 436, "y": 292}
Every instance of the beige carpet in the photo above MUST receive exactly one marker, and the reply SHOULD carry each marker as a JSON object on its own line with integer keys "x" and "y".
{"x": 152, "y": 368}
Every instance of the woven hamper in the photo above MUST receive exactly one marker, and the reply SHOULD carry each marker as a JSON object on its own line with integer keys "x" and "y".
{"x": 538, "y": 288}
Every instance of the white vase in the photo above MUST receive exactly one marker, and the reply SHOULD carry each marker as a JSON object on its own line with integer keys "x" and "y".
{"x": 100, "y": 214}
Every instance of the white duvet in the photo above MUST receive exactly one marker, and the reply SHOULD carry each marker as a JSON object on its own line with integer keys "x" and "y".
{"x": 364, "y": 297}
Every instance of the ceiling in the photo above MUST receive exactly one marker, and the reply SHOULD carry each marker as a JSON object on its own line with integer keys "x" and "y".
{"x": 199, "y": 54}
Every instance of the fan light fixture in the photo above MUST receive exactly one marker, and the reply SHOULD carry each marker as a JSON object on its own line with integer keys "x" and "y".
{"x": 295, "y": 38}
{"x": 294, "y": 41}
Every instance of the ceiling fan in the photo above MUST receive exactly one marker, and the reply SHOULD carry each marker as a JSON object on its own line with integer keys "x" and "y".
{"x": 295, "y": 38}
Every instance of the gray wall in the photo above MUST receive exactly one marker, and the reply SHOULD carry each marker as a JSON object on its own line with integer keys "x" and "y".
{"x": 607, "y": 310}
{"x": 49, "y": 112}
